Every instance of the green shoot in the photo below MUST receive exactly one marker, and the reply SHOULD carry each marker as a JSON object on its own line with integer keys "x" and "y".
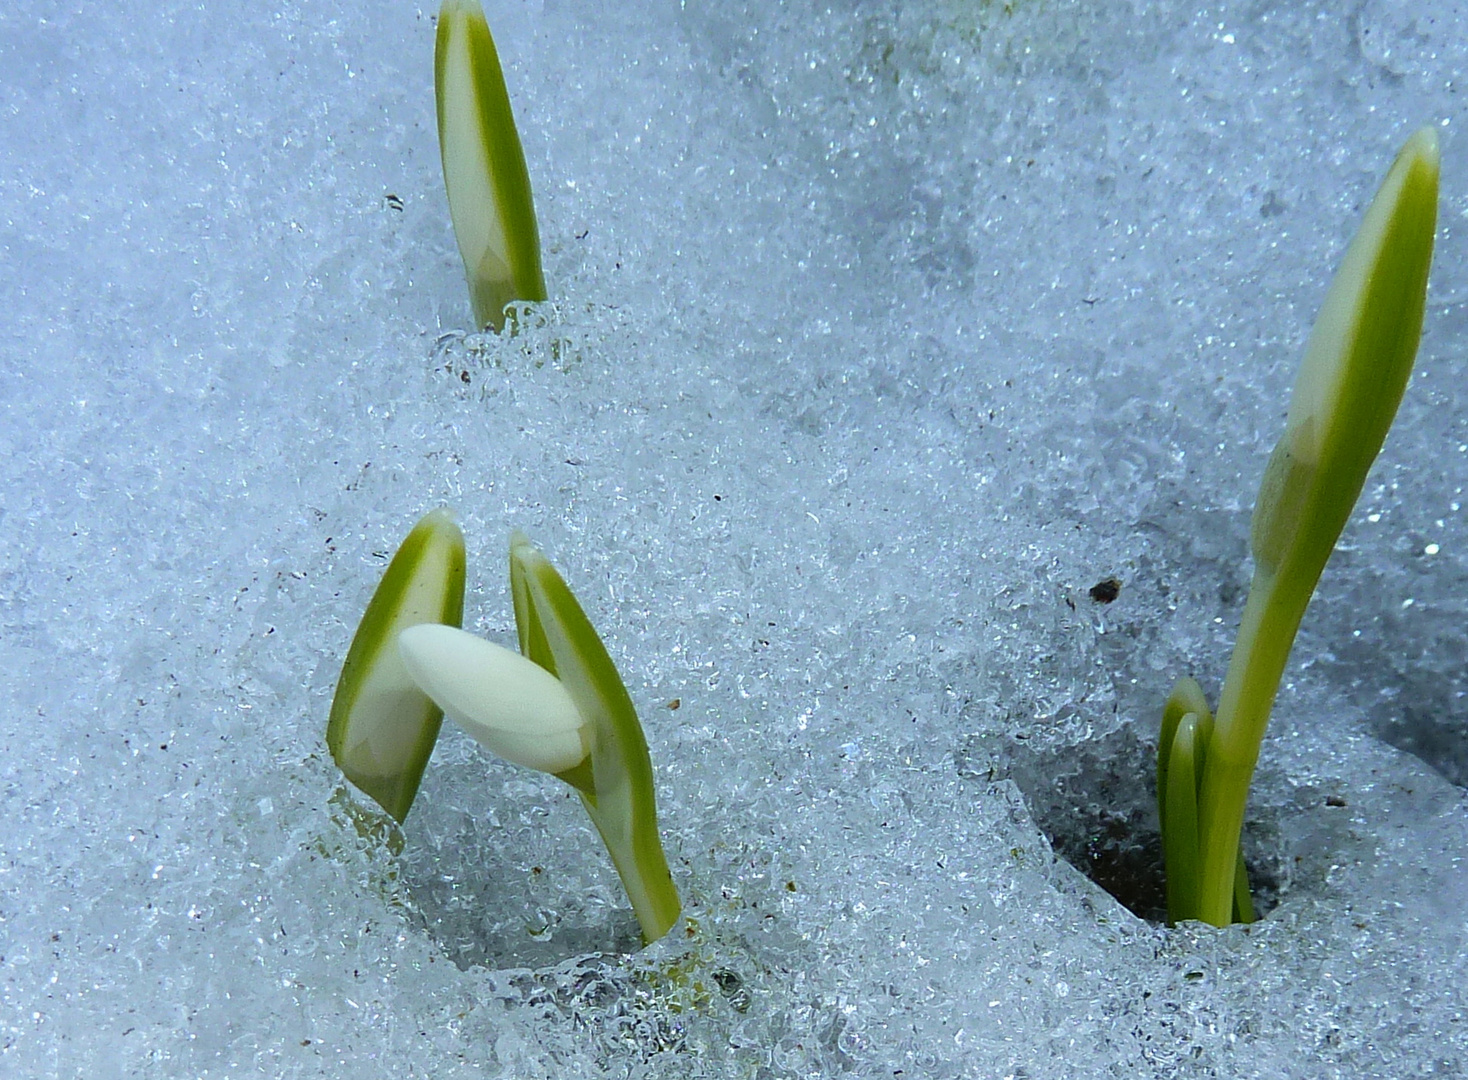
{"x": 616, "y": 780}
{"x": 484, "y": 166}
{"x": 1187, "y": 727}
{"x": 561, "y": 708}
{"x": 382, "y": 727}
{"x": 1355, "y": 370}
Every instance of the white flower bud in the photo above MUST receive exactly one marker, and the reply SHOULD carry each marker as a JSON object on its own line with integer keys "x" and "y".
{"x": 509, "y": 704}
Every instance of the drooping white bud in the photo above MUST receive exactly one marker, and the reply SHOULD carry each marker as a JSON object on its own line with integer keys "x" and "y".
{"x": 510, "y": 705}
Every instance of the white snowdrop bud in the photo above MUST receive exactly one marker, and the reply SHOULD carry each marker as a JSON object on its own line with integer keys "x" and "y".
{"x": 509, "y": 704}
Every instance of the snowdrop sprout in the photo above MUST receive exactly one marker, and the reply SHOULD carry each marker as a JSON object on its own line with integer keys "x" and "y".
{"x": 617, "y": 787}
{"x": 484, "y": 166}
{"x": 382, "y": 727}
{"x": 1355, "y": 370}
{"x": 558, "y": 706}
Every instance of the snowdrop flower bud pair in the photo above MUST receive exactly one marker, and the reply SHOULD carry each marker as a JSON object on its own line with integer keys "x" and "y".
{"x": 558, "y": 705}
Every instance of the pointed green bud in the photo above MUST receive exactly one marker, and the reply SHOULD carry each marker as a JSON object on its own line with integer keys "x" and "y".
{"x": 382, "y": 727}
{"x": 618, "y": 792}
{"x": 1355, "y": 369}
{"x": 510, "y": 705}
{"x": 1186, "y": 697}
{"x": 484, "y": 166}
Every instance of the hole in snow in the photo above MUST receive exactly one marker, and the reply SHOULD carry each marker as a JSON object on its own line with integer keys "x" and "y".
{"x": 1096, "y": 804}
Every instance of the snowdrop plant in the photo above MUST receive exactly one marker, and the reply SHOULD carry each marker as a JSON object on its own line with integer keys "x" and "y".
{"x": 382, "y": 727}
{"x": 559, "y": 706}
{"x": 1352, "y": 378}
{"x": 484, "y": 166}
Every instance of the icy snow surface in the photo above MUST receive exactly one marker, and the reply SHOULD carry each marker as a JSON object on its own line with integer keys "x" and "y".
{"x": 881, "y": 333}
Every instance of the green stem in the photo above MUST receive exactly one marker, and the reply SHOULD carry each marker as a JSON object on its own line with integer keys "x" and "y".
{"x": 1272, "y": 616}
{"x": 637, "y": 853}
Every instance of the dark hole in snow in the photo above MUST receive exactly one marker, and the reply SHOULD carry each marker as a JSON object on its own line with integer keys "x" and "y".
{"x": 1096, "y": 804}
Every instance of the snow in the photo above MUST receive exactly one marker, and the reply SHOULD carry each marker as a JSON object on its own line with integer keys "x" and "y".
{"x": 879, "y": 335}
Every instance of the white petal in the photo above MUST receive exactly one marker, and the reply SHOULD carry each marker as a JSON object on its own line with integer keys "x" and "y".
{"x": 509, "y": 704}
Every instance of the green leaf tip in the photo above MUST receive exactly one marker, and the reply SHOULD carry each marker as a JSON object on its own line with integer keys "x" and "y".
{"x": 1355, "y": 370}
{"x": 382, "y": 727}
{"x": 1186, "y": 697}
{"x": 1187, "y": 729}
{"x": 484, "y": 169}
{"x": 617, "y": 789}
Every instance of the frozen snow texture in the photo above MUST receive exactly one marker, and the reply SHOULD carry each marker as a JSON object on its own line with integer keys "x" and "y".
{"x": 879, "y": 335}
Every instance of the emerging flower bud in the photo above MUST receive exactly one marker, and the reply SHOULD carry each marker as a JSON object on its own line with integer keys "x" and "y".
{"x": 1355, "y": 369}
{"x": 509, "y": 704}
{"x": 484, "y": 166}
{"x": 382, "y": 729}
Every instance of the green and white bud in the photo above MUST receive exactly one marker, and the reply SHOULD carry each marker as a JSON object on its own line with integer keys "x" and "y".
{"x": 382, "y": 728}
{"x": 484, "y": 166}
{"x": 616, "y": 784}
{"x": 1355, "y": 369}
